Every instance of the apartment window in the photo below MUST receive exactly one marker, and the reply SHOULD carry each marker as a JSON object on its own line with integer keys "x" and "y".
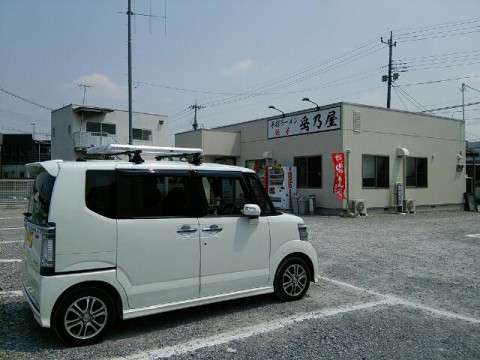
{"x": 142, "y": 134}
{"x": 375, "y": 171}
{"x": 69, "y": 129}
{"x": 416, "y": 172}
{"x": 309, "y": 171}
{"x": 102, "y": 128}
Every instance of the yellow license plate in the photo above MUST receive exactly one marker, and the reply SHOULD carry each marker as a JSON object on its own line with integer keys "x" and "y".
{"x": 28, "y": 239}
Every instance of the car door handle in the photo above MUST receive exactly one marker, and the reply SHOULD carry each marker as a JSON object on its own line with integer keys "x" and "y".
{"x": 213, "y": 228}
{"x": 186, "y": 230}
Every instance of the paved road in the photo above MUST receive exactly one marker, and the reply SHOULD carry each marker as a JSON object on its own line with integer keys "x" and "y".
{"x": 391, "y": 287}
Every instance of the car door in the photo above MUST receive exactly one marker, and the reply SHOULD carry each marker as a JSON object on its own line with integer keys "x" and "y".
{"x": 158, "y": 257}
{"x": 234, "y": 250}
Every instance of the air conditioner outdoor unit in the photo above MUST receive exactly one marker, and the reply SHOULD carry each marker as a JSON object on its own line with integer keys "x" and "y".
{"x": 359, "y": 207}
{"x": 409, "y": 206}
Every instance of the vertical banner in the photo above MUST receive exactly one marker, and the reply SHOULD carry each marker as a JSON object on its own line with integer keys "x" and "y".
{"x": 339, "y": 175}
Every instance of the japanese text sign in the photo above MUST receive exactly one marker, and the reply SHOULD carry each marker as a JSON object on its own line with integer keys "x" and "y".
{"x": 339, "y": 175}
{"x": 307, "y": 123}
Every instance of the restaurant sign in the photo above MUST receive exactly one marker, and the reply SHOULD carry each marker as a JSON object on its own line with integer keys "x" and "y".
{"x": 309, "y": 123}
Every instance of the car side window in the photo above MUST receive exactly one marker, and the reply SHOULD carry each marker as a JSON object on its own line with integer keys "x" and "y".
{"x": 222, "y": 195}
{"x": 260, "y": 195}
{"x": 152, "y": 195}
{"x": 100, "y": 192}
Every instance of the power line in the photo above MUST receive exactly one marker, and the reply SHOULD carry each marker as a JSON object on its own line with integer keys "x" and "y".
{"x": 472, "y": 88}
{"x": 416, "y": 103}
{"x": 270, "y": 87}
{"x": 441, "y": 80}
{"x": 367, "y": 49}
{"x": 24, "y": 99}
{"x": 439, "y": 55}
{"x": 399, "y": 98}
{"x": 437, "y": 26}
{"x": 19, "y": 117}
{"x": 454, "y": 106}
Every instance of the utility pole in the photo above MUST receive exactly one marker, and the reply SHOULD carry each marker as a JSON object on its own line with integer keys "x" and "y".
{"x": 463, "y": 89}
{"x": 196, "y": 107}
{"x": 129, "y": 14}
{"x": 33, "y": 134}
{"x": 389, "y": 78}
{"x": 130, "y": 116}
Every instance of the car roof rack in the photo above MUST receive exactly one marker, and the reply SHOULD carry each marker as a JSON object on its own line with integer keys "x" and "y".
{"x": 134, "y": 151}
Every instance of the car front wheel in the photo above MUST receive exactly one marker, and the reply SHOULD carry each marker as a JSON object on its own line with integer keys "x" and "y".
{"x": 83, "y": 316}
{"x": 292, "y": 279}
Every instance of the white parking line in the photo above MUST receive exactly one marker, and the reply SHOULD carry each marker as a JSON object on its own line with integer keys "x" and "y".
{"x": 10, "y": 260}
{"x": 12, "y": 218}
{"x": 11, "y": 241}
{"x": 246, "y": 332}
{"x": 15, "y": 228}
{"x": 474, "y": 235}
{"x": 398, "y": 300}
{"x": 11, "y": 293}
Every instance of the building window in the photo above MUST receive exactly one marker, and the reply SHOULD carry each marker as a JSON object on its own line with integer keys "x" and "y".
{"x": 142, "y": 134}
{"x": 69, "y": 129}
{"x": 53, "y": 132}
{"x": 101, "y": 128}
{"x": 375, "y": 171}
{"x": 309, "y": 171}
{"x": 416, "y": 172}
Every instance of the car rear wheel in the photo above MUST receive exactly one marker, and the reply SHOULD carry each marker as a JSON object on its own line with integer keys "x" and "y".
{"x": 292, "y": 279}
{"x": 83, "y": 316}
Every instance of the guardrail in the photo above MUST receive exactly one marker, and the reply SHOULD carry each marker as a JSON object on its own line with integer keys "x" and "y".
{"x": 15, "y": 192}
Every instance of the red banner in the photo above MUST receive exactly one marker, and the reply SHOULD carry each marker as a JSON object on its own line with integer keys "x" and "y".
{"x": 339, "y": 179}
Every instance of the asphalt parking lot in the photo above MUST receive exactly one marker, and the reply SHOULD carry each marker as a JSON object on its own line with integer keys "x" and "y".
{"x": 391, "y": 287}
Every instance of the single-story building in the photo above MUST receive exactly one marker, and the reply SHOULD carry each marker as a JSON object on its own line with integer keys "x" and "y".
{"x": 388, "y": 155}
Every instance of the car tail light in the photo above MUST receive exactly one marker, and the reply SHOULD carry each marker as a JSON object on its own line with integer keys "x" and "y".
{"x": 47, "y": 251}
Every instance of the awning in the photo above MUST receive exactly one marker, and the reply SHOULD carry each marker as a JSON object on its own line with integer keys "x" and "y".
{"x": 91, "y": 109}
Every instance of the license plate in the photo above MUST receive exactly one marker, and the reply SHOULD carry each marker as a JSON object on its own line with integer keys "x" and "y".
{"x": 28, "y": 239}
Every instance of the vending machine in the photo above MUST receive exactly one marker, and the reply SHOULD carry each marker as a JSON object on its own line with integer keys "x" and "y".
{"x": 281, "y": 184}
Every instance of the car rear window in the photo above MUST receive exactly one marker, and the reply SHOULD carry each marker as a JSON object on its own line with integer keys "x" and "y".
{"x": 39, "y": 204}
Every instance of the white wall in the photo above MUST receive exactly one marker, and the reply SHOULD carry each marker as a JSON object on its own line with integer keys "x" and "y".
{"x": 63, "y": 142}
{"x": 383, "y": 131}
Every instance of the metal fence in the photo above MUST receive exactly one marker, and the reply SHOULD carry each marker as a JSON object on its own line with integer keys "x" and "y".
{"x": 15, "y": 192}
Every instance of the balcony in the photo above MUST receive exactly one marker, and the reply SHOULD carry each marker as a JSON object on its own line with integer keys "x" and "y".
{"x": 84, "y": 140}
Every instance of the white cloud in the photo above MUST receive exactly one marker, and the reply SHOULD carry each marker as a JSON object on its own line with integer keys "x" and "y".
{"x": 102, "y": 86}
{"x": 237, "y": 68}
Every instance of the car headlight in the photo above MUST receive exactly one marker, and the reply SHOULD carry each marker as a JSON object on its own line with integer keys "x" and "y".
{"x": 302, "y": 232}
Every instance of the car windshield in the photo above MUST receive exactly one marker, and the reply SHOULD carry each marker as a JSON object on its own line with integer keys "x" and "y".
{"x": 39, "y": 204}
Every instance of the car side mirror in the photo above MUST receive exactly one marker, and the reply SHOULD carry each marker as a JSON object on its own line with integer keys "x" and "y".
{"x": 251, "y": 210}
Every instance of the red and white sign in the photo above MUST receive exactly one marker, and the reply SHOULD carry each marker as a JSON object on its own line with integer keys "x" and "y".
{"x": 339, "y": 171}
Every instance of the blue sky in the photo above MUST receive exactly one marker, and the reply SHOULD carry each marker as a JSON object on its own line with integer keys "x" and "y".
{"x": 236, "y": 57}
